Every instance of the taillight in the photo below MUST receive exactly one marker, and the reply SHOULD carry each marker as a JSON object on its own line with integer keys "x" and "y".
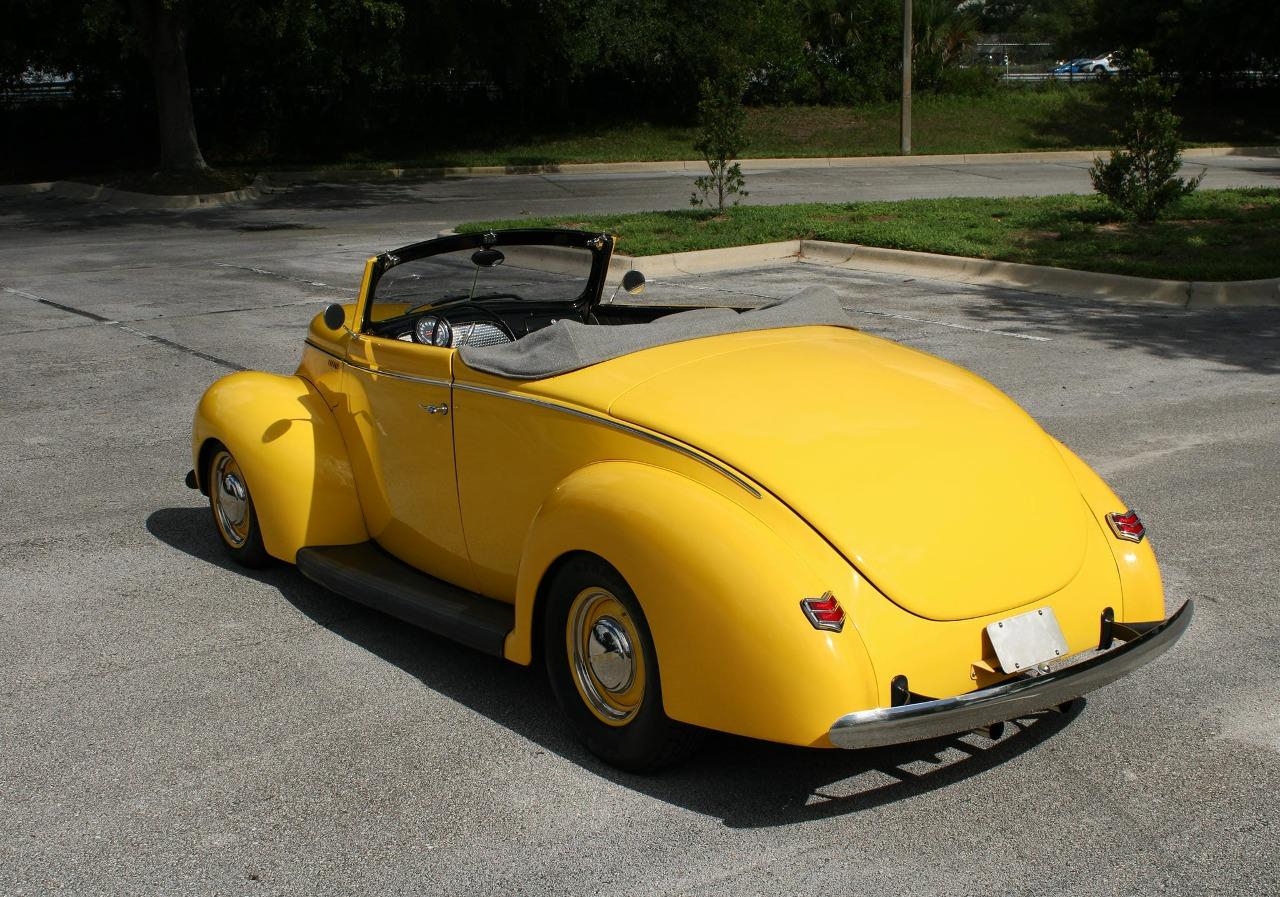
{"x": 1127, "y": 526}
{"x": 824, "y": 613}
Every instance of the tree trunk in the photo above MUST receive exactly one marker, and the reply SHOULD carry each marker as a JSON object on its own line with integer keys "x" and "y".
{"x": 164, "y": 43}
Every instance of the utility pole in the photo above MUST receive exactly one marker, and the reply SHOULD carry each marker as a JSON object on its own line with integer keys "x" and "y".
{"x": 906, "y": 78}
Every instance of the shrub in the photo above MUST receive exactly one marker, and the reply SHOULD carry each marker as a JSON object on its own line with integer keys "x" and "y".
{"x": 721, "y": 138}
{"x": 971, "y": 81}
{"x": 1141, "y": 178}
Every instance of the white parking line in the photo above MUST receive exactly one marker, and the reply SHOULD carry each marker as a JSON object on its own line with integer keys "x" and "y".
{"x": 887, "y": 314}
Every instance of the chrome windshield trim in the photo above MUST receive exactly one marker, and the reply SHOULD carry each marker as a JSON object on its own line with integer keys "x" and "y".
{"x": 1008, "y": 700}
{"x": 576, "y": 412}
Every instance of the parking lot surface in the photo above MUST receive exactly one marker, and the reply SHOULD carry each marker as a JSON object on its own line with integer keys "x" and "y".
{"x": 172, "y": 724}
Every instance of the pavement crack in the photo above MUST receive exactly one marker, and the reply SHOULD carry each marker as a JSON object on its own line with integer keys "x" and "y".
{"x": 228, "y": 311}
{"x": 276, "y": 274}
{"x": 976, "y": 174}
{"x": 230, "y": 365}
{"x": 556, "y": 184}
{"x": 163, "y": 341}
{"x": 58, "y": 305}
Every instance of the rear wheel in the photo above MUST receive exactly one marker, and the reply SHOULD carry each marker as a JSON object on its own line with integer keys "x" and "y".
{"x": 233, "y": 511}
{"x": 604, "y": 670}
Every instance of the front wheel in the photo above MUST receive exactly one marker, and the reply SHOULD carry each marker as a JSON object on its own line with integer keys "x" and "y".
{"x": 233, "y": 511}
{"x": 604, "y": 670}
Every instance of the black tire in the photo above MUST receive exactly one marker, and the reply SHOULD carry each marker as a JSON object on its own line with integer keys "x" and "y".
{"x": 643, "y": 738}
{"x": 234, "y": 516}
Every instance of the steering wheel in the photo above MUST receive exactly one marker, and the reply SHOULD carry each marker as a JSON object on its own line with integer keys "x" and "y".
{"x": 497, "y": 320}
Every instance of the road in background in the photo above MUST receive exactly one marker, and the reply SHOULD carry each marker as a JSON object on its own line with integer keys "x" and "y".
{"x": 175, "y": 725}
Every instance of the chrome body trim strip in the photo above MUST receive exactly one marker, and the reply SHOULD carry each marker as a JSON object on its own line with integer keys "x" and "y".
{"x": 1008, "y": 700}
{"x": 565, "y": 409}
{"x": 320, "y": 348}
{"x": 619, "y": 426}
{"x": 412, "y": 378}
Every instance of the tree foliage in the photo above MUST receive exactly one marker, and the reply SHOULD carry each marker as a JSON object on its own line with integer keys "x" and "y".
{"x": 317, "y": 79}
{"x": 721, "y": 139}
{"x": 1201, "y": 40}
{"x": 1141, "y": 177}
{"x": 940, "y": 30}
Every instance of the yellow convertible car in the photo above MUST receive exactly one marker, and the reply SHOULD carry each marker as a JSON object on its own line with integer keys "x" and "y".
{"x": 762, "y": 522}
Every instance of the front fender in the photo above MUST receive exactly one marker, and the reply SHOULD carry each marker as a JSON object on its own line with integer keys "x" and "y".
{"x": 294, "y": 461}
{"x": 721, "y": 592}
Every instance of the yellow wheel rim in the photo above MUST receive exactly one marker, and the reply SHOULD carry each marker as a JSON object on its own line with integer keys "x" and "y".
{"x": 231, "y": 501}
{"x": 605, "y": 656}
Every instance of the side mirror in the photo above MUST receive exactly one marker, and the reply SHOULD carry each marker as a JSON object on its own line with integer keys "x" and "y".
{"x": 633, "y": 282}
{"x": 487, "y": 258}
{"x": 335, "y": 317}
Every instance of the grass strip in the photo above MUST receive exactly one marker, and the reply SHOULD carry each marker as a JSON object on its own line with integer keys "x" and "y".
{"x": 1211, "y": 235}
{"x": 1017, "y": 118}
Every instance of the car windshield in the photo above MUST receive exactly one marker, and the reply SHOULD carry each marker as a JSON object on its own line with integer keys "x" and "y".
{"x": 525, "y": 273}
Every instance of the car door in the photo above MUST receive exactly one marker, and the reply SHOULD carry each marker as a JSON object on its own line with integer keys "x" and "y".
{"x": 399, "y": 431}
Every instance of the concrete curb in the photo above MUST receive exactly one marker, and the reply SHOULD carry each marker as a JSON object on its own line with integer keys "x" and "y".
{"x": 1041, "y": 279}
{"x": 132, "y": 200}
{"x": 1118, "y": 288}
{"x": 285, "y": 178}
{"x": 1092, "y": 285}
{"x": 705, "y": 261}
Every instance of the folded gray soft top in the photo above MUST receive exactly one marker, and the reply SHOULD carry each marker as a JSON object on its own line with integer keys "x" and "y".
{"x": 568, "y": 345}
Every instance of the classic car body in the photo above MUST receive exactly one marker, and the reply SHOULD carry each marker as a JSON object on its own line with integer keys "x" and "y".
{"x": 769, "y": 524}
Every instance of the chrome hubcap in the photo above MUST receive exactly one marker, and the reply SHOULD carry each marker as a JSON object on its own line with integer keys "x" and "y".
{"x": 609, "y": 654}
{"x": 230, "y": 499}
{"x": 604, "y": 654}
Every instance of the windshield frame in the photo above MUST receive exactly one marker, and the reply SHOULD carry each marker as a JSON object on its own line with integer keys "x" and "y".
{"x": 600, "y": 245}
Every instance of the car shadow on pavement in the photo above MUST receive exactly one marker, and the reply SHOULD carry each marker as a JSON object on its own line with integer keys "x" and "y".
{"x": 745, "y": 783}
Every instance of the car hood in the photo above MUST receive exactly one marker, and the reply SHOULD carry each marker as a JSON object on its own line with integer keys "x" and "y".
{"x": 933, "y": 483}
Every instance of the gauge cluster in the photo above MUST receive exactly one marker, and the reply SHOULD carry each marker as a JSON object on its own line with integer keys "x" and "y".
{"x": 434, "y": 330}
{"x": 431, "y": 330}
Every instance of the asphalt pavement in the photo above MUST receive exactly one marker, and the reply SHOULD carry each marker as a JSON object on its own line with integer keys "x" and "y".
{"x": 171, "y": 724}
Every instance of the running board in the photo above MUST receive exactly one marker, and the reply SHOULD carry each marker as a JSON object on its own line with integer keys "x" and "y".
{"x": 367, "y": 574}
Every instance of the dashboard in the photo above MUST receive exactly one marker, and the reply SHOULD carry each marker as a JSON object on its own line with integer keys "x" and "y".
{"x": 470, "y": 325}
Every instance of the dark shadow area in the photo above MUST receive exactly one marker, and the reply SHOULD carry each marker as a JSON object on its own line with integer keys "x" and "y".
{"x": 53, "y": 214}
{"x": 1086, "y": 117}
{"x": 747, "y": 784}
{"x": 1239, "y": 338}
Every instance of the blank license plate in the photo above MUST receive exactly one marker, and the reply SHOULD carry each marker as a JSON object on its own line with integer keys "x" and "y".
{"x": 1026, "y": 640}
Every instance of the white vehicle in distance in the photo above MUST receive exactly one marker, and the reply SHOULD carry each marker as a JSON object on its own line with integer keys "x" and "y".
{"x": 1102, "y": 64}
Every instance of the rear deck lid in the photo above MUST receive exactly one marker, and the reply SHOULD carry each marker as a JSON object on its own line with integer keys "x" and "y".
{"x": 935, "y": 485}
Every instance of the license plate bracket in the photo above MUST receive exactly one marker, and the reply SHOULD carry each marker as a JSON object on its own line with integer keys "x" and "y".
{"x": 1029, "y": 639}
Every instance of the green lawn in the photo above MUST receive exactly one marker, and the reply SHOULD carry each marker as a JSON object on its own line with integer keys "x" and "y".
{"x": 1009, "y": 120}
{"x": 1211, "y": 235}
{"x": 1012, "y": 119}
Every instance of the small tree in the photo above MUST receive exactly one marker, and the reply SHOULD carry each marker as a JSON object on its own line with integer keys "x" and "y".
{"x": 721, "y": 118}
{"x": 1141, "y": 178}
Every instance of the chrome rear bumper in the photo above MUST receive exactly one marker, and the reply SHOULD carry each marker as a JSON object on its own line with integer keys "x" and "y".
{"x": 1017, "y": 697}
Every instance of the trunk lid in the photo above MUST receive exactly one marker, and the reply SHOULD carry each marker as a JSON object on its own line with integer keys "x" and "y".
{"x": 934, "y": 484}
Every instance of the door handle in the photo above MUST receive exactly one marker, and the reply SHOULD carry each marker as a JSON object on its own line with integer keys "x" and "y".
{"x": 442, "y": 408}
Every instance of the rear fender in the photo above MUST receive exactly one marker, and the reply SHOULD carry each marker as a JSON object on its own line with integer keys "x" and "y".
{"x": 294, "y": 461}
{"x": 1142, "y": 591}
{"x": 721, "y": 592}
